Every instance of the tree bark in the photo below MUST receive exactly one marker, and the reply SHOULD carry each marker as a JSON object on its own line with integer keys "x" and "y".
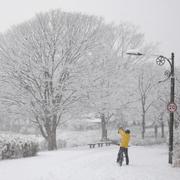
{"x": 155, "y": 131}
{"x": 104, "y": 130}
{"x": 51, "y": 140}
{"x": 143, "y": 125}
{"x": 162, "y": 129}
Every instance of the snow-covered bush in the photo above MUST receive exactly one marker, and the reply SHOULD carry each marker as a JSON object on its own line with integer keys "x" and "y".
{"x": 44, "y": 146}
{"x": 176, "y": 153}
{"x": 17, "y": 146}
{"x": 147, "y": 141}
{"x": 61, "y": 143}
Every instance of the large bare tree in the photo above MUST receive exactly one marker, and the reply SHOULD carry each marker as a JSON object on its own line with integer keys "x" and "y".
{"x": 42, "y": 60}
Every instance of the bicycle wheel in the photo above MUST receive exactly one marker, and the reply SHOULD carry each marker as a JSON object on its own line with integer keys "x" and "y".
{"x": 121, "y": 158}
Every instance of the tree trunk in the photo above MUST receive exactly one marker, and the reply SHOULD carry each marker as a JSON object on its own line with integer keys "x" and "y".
{"x": 51, "y": 140}
{"x": 143, "y": 125}
{"x": 155, "y": 131}
{"x": 104, "y": 130}
{"x": 162, "y": 129}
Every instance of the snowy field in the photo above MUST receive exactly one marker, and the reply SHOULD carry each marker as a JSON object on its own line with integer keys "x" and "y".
{"x": 146, "y": 163}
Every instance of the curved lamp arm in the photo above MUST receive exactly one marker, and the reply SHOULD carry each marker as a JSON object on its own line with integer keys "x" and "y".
{"x": 161, "y": 60}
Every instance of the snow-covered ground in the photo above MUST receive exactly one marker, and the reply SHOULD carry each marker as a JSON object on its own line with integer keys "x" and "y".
{"x": 82, "y": 163}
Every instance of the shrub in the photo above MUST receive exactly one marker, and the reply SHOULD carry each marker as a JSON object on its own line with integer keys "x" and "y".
{"x": 44, "y": 146}
{"x": 16, "y": 146}
{"x": 148, "y": 141}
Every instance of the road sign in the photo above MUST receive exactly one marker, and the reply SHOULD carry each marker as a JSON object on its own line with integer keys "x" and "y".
{"x": 171, "y": 107}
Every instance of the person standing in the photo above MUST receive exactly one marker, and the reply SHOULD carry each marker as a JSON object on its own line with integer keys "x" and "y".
{"x": 124, "y": 143}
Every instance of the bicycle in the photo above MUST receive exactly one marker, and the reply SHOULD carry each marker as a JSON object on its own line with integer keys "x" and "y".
{"x": 121, "y": 158}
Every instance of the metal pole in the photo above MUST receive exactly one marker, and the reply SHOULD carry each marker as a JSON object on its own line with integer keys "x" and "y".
{"x": 171, "y": 123}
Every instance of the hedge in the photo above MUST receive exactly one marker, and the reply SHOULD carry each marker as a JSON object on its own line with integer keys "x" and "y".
{"x": 17, "y": 146}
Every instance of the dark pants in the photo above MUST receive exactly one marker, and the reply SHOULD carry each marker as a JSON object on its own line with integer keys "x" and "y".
{"x": 120, "y": 154}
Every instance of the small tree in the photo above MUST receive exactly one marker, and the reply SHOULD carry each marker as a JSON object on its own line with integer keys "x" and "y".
{"x": 106, "y": 87}
{"x": 146, "y": 85}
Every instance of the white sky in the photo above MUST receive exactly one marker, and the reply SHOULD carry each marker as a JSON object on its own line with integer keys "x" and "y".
{"x": 159, "y": 20}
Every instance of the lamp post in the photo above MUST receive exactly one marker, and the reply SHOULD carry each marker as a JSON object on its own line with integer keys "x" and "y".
{"x": 160, "y": 60}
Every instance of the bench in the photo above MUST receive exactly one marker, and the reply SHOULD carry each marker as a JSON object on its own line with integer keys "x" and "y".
{"x": 108, "y": 143}
{"x": 92, "y": 145}
{"x": 100, "y": 144}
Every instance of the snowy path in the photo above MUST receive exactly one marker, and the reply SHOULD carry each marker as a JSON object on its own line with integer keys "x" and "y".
{"x": 146, "y": 163}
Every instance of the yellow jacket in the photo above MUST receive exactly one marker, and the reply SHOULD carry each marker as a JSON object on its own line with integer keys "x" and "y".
{"x": 125, "y": 137}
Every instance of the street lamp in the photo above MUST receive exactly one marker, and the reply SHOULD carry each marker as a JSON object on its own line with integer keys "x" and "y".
{"x": 160, "y": 60}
